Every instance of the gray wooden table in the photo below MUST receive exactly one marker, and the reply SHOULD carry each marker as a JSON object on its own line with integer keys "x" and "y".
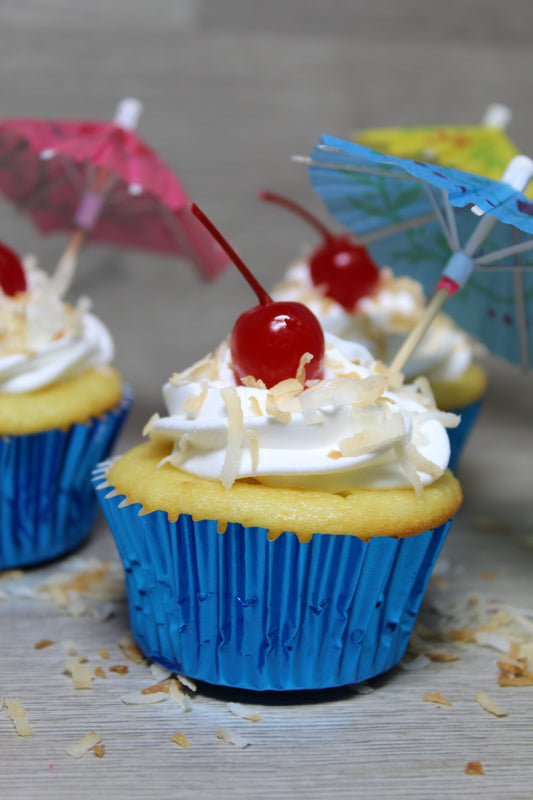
{"x": 231, "y": 90}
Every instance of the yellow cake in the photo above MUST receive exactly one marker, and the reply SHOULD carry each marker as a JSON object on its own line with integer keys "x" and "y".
{"x": 60, "y": 405}
{"x": 358, "y": 512}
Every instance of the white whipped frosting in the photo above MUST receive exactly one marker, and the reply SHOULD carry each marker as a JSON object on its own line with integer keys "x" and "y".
{"x": 43, "y": 339}
{"x": 350, "y": 429}
{"x": 382, "y": 321}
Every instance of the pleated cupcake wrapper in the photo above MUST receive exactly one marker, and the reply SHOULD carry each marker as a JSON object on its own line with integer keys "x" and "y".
{"x": 459, "y": 436}
{"x": 47, "y": 501}
{"x": 239, "y": 610}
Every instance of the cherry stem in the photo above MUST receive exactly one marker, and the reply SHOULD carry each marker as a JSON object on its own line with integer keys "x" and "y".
{"x": 271, "y": 197}
{"x": 262, "y": 295}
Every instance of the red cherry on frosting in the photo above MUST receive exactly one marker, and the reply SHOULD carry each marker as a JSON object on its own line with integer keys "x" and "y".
{"x": 344, "y": 269}
{"x": 269, "y": 340}
{"x": 12, "y": 277}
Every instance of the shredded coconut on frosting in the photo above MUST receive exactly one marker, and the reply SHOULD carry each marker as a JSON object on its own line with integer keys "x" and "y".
{"x": 43, "y": 338}
{"x": 381, "y": 432}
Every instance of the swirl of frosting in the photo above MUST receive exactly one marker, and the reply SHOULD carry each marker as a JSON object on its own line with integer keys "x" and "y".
{"x": 383, "y": 320}
{"x": 358, "y": 427}
{"x": 44, "y": 340}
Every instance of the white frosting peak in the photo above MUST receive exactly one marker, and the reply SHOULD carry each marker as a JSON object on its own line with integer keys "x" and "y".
{"x": 356, "y": 427}
{"x": 43, "y": 339}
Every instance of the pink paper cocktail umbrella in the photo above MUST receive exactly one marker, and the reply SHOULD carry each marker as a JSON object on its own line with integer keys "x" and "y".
{"x": 99, "y": 181}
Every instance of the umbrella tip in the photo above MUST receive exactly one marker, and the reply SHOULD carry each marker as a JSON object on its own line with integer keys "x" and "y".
{"x": 518, "y": 172}
{"x": 497, "y": 115}
{"x": 128, "y": 112}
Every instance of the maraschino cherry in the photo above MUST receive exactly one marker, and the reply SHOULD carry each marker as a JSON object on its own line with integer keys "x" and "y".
{"x": 269, "y": 340}
{"x": 344, "y": 268}
{"x": 12, "y": 277}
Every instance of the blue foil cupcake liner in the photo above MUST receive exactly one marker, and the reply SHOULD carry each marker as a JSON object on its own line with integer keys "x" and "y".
{"x": 459, "y": 436}
{"x": 236, "y": 609}
{"x": 47, "y": 501}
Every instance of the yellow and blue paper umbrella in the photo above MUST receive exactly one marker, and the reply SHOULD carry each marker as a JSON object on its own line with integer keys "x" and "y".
{"x": 444, "y": 227}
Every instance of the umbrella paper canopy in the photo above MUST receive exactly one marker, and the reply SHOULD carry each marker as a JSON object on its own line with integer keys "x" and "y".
{"x": 485, "y": 148}
{"x": 415, "y": 216}
{"x": 100, "y": 178}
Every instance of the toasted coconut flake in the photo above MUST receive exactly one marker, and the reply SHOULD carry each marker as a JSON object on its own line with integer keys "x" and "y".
{"x": 253, "y": 383}
{"x": 242, "y": 712}
{"x": 413, "y": 664}
{"x": 256, "y": 406}
{"x": 104, "y": 653}
{"x": 226, "y": 735}
{"x": 180, "y": 739}
{"x": 120, "y": 669}
{"x": 100, "y": 672}
{"x": 82, "y": 746}
{"x": 42, "y": 643}
{"x": 273, "y": 410}
{"x": 178, "y": 696}
{"x": 230, "y": 467}
{"x": 466, "y": 634}
{"x": 411, "y": 472}
{"x": 81, "y": 674}
{"x": 254, "y": 449}
{"x": 204, "y": 369}
{"x": 18, "y": 715}
{"x": 490, "y": 706}
{"x": 421, "y": 463}
{"x": 389, "y": 432}
{"x": 437, "y": 698}
{"x": 99, "y": 750}
{"x": 188, "y": 682}
{"x": 150, "y": 424}
{"x": 130, "y": 649}
{"x": 158, "y": 672}
{"x": 493, "y": 640}
{"x": 525, "y": 679}
{"x": 161, "y": 686}
{"x": 441, "y": 656}
{"x": 194, "y": 402}
{"x": 474, "y": 768}
{"x": 140, "y": 699}
{"x": 178, "y": 454}
{"x": 300, "y": 372}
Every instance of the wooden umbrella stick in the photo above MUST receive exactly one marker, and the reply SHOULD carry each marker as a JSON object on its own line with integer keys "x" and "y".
{"x": 66, "y": 267}
{"x": 412, "y": 341}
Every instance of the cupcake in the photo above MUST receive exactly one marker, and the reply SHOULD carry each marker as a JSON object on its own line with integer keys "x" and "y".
{"x": 282, "y": 538}
{"x": 356, "y": 300}
{"x": 62, "y": 406}
{"x": 280, "y": 525}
